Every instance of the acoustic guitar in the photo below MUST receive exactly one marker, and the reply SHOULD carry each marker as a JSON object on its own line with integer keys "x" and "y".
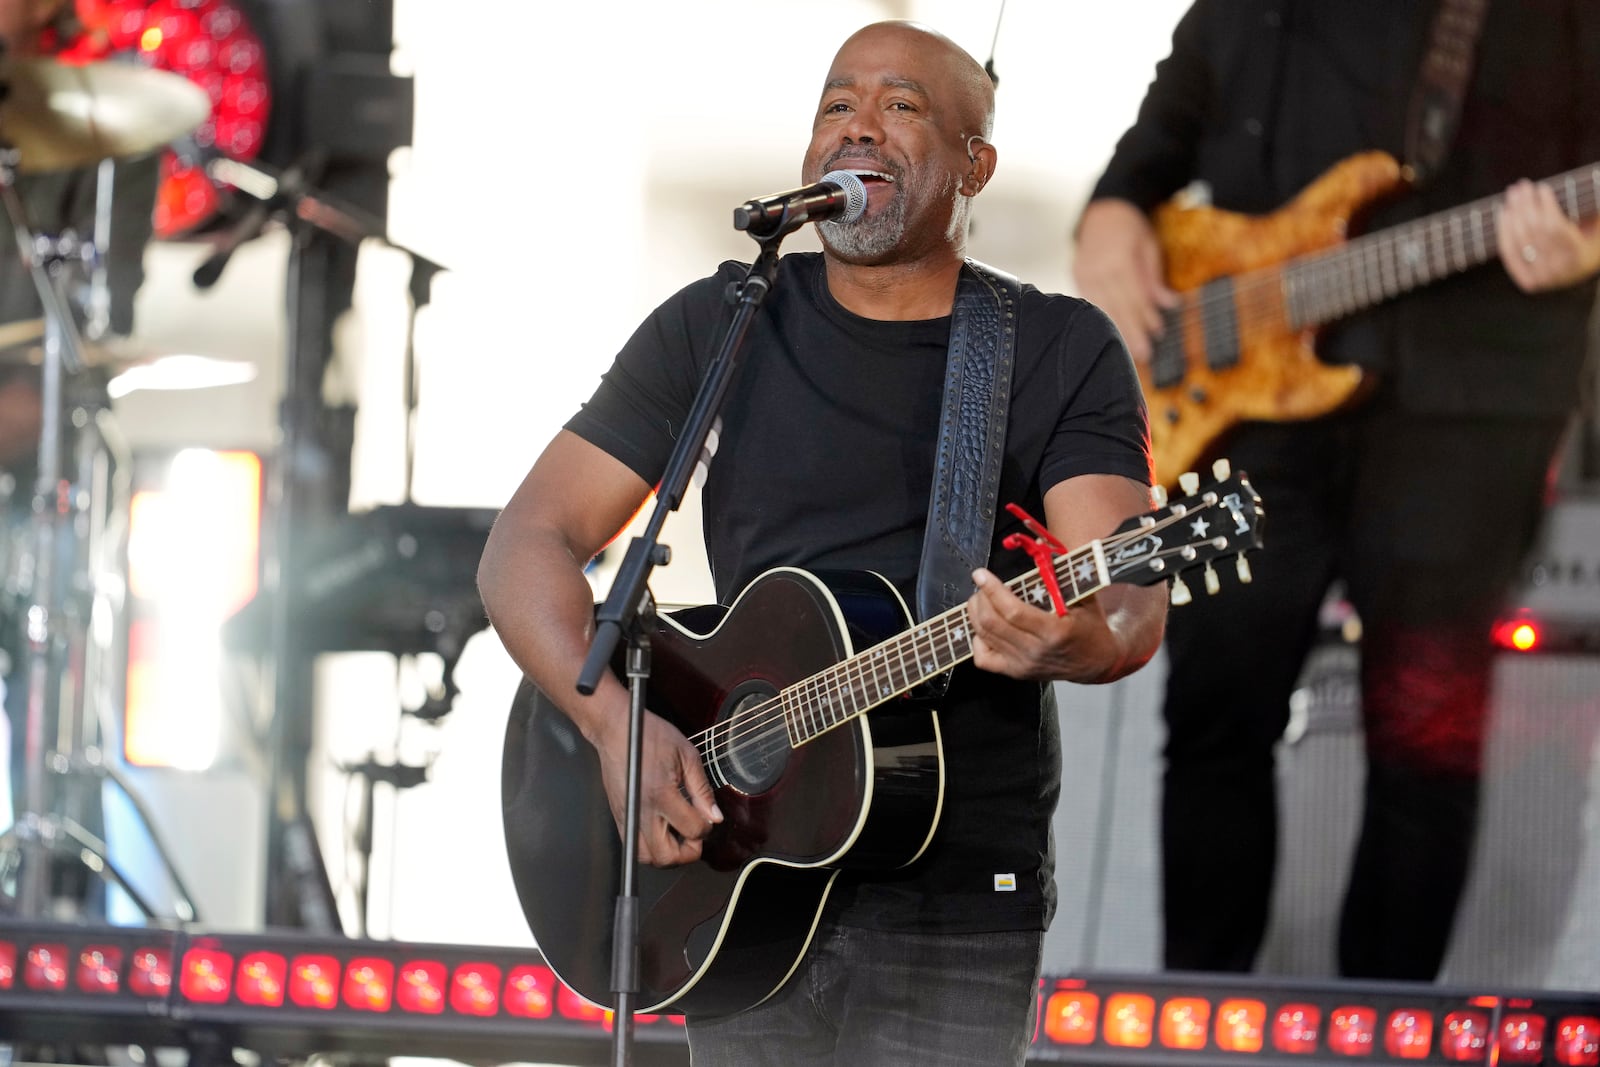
{"x": 797, "y": 698}
{"x": 1254, "y": 290}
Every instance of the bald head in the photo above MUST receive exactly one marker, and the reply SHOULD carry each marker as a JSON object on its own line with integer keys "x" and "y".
{"x": 971, "y": 91}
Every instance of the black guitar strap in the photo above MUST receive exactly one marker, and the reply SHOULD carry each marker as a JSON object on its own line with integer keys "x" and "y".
{"x": 1442, "y": 82}
{"x": 972, "y": 437}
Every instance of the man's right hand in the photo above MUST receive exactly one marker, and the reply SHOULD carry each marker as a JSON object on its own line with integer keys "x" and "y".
{"x": 1118, "y": 267}
{"x": 676, "y": 806}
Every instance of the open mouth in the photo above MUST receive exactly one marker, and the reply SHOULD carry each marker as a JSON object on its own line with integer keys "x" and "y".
{"x": 871, "y": 177}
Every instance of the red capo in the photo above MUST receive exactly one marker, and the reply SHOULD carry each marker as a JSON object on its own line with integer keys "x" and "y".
{"x": 1043, "y": 547}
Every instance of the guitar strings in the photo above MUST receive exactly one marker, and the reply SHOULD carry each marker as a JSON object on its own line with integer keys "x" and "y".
{"x": 766, "y": 724}
{"x": 1344, "y": 271}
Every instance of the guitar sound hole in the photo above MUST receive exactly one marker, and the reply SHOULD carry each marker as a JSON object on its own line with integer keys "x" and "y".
{"x": 753, "y": 746}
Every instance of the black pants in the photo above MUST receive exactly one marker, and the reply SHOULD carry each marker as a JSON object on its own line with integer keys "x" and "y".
{"x": 1426, "y": 520}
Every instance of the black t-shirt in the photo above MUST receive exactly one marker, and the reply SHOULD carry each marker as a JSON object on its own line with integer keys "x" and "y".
{"x": 825, "y": 461}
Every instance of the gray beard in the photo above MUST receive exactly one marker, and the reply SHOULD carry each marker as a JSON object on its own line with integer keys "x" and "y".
{"x": 867, "y": 238}
{"x": 873, "y": 238}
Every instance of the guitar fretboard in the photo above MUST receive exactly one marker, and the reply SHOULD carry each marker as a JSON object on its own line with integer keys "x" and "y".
{"x": 1368, "y": 270}
{"x": 857, "y": 684}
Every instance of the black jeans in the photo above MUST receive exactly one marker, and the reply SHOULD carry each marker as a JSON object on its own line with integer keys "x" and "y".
{"x": 863, "y": 997}
{"x": 1426, "y": 521}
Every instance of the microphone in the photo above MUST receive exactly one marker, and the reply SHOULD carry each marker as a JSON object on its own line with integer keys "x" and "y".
{"x": 840, "y": 196}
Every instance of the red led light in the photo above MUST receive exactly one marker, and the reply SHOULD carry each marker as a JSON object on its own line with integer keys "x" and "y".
{"x": 1069, "y": 1017}
{"x": 368, "y": 983}
{"x": 1577, "y": 1042}
{"x": 313, "y": 982}
{"x": 207, "y": 976}
{"x": 1466, "y": 1037}
{"x": 150, "y": 972}
{"x": 1240, "y": 1025}
{"x": 420, "y": 988}
{"x": 1351, "y": 1030}
{"x": 1408, "y": 1034}
{"x": 572, "y": 1006}
{"x": 475, "y": 989}
{"x": 1519, "y": 634}
{"x": 8, "y": 964}
{"x": 1295, "y": 1028}
{"x": 261, "y": 979}
{"x": 1184, "y": 1022}
{"x": 1130, "y": 1018}
{"x": 99, "y": 969}
{"x": 211, "y": 43}
{"x": 530, "y": 992}
{"x": 46, "y": 967}
{"x": 1522, "y": 1038}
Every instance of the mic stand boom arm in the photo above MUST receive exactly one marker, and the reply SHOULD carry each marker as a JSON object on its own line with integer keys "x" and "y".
{"x": 628, "y": 608}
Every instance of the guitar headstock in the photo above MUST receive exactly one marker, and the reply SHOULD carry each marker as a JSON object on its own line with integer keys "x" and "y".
{"x": 1220, "y": 520}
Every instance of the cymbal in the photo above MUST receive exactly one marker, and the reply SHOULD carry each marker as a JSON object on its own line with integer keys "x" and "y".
{"x": 143, "y": 368}
{"x": 132, "y": 364}
{"x": 20, "y": 332}
{"x": 60, "y": 116}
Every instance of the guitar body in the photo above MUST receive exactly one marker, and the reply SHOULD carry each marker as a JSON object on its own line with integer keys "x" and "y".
{"x": 1276, "y": 376}
{"x": 725, "y": 932}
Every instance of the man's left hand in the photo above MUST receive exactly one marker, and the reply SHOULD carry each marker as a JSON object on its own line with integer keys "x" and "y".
{"x": 1022, "y": 640}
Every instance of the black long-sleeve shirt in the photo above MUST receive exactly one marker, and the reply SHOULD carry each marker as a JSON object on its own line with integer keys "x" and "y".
{"x": 1260, "y": 97}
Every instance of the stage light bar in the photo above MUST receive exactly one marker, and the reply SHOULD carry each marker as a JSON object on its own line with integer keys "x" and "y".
{"x": 1210, "y": 1020}
{"x": 290, "y": 994}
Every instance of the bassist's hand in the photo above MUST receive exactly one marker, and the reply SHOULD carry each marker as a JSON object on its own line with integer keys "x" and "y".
{"x": 1542, "y": 248}
{"x": 676, "y": 806}
{"x": 1119, "y": 267}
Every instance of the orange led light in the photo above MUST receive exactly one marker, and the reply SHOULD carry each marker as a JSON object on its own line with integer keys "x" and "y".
{"x": 1184, "y": 1022}
{"x": 1069, "y": 1017}
{"x": 1130, "y": 1018}
{"x": 1241, "y": 1025}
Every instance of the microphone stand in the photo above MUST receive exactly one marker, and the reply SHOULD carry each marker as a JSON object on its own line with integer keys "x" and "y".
{"x": 629, "y": 609}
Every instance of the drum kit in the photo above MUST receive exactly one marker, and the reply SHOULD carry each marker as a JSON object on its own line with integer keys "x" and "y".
{"x": 56, "y": 553}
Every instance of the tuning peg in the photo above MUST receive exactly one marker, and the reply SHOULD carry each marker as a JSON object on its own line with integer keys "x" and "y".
{"x": 1242, "y": 565}
{"x": 1159, "y": 494}
{"x": 1221, "y": 469}
{"x": 1213, "y": 583}
{"x": 1189, "y": 482}
{"x": 1180, "y": 592}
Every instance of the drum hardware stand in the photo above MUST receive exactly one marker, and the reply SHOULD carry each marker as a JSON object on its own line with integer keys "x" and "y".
{"x": 309, "y": 213}
{"x": 39, "y": 831}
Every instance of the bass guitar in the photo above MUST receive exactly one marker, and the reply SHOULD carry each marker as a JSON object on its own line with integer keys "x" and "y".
{"x": 1254, "y": 290}
{"x": 776, "y": 691}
